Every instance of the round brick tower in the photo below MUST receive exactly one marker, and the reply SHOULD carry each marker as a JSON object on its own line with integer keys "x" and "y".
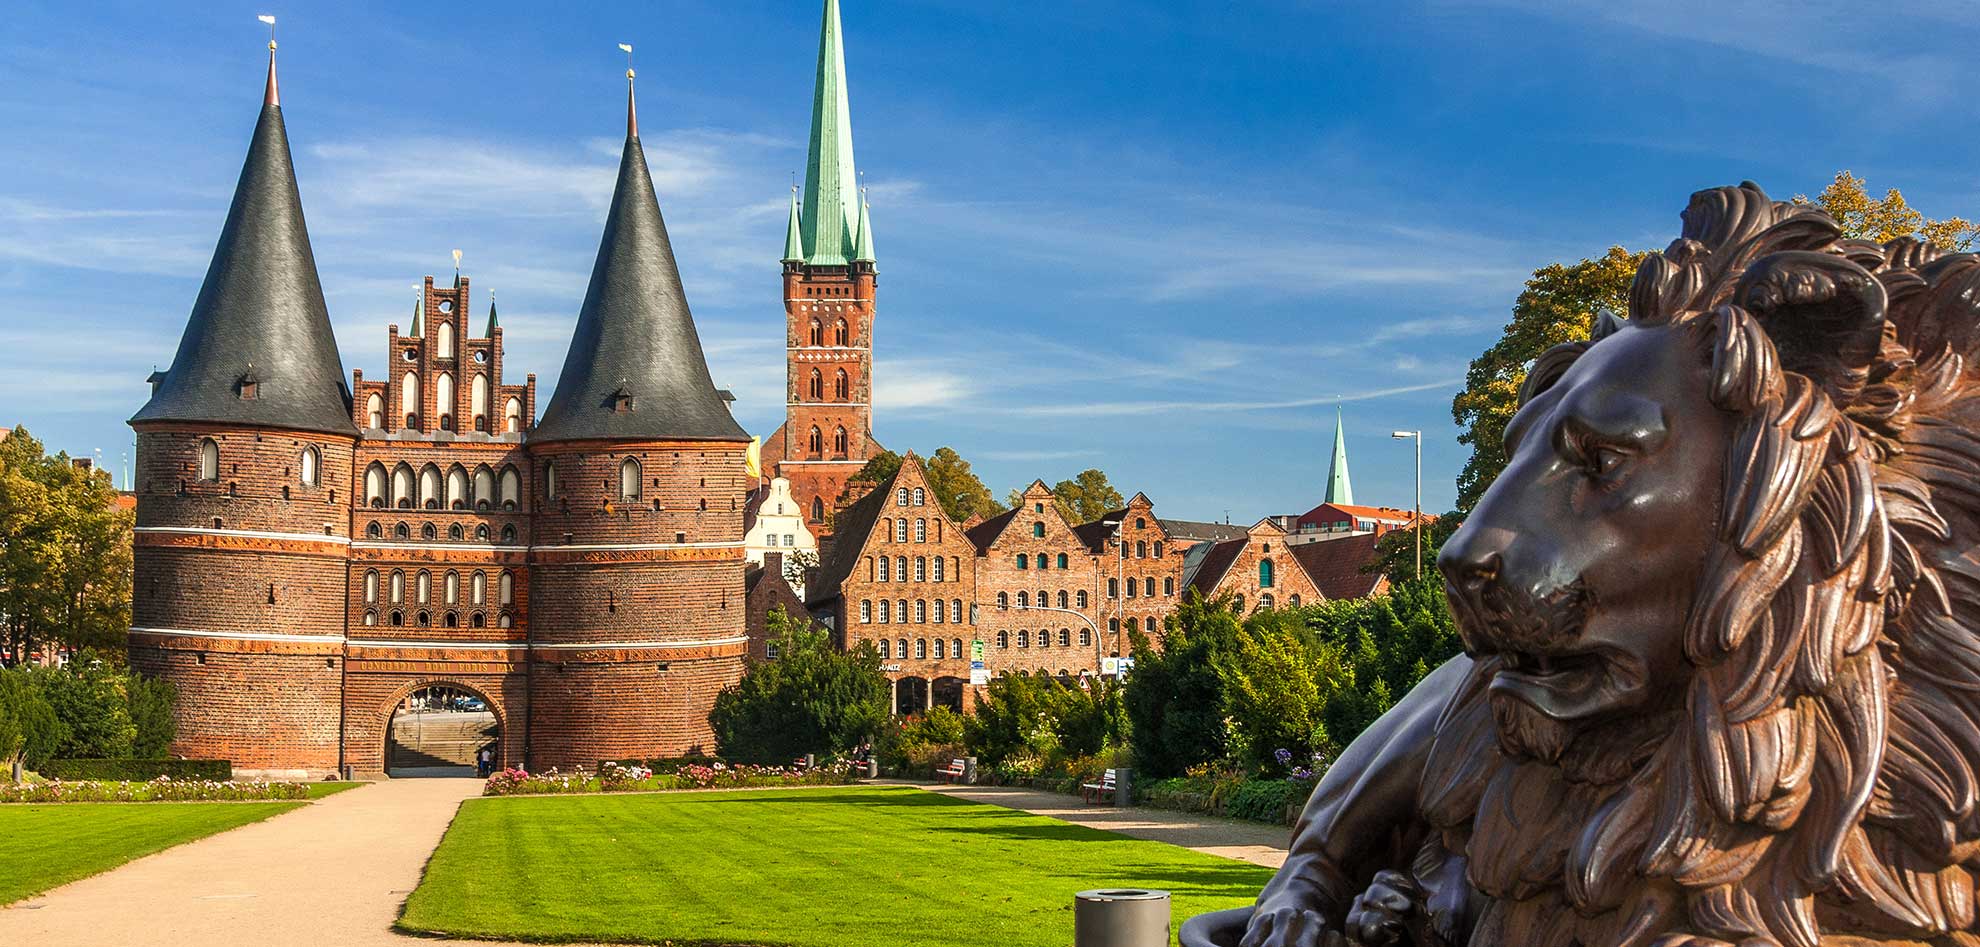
{"x": 243, "y": 487}
{"x": 636, "y": 570}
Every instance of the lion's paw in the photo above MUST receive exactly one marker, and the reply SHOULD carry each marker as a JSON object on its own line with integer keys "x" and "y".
{"x": 1383, "y": 914}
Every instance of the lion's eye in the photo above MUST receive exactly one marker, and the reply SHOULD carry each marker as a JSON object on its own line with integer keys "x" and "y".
{"x": 1603, "y": 461}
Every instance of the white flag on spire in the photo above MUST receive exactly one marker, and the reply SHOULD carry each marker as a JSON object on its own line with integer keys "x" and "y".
{"x": 265, "y": 18}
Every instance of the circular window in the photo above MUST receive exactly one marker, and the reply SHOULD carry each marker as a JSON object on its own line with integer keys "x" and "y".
{"x": 446, "y": 305}
{"x": 412, "y": 355}
{"x": 481, "y": 356}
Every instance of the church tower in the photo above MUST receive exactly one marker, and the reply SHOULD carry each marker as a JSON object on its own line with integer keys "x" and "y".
{"x": 829, "y": 281}
{"x": 636, "y": 568}
{"x": 244, "y": 460}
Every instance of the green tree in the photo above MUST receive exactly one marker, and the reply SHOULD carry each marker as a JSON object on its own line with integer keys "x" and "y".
{"x": 961, "y": 493}
{"x": 90, "y": 699}
{"x": 1175, "y": 697}
{"x": 878, "y": 468}
{"x": 1559, "y": 305}
{"x": 1887, "y": 218}
{"x": 813, "y": 699}
{"x": 29, "y": 731}
{"x": 65, "y": 552}
{"x": 1280, "y": 681}
{"x": 1082, "y": 499}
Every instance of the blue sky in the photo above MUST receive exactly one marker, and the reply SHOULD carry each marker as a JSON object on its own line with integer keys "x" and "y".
{"x": 1157, "y": 238}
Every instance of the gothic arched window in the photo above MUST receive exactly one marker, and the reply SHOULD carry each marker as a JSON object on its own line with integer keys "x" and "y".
{"x": 839, "y": 334}
{"x": 209, "y": 459}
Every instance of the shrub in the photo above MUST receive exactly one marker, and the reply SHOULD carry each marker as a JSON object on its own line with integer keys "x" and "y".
{"x": 150, "y": 705}
{"x": 1265, "y": 800}
{"x": 217, "y": 770}
{"x": 813, "y": 699}
{"x": 919, "y": 743}
{"x": 1045, "y": 718}
{"x": 88, "y": 696}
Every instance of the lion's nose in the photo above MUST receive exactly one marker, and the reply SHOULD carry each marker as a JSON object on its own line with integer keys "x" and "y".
{"x": 1471, "y": 559}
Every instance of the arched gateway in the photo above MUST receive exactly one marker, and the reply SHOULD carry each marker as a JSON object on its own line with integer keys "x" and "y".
{"x": 439, "y": 729}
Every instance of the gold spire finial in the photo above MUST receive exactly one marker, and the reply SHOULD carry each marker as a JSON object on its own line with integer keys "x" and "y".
{"x": 270, "y": 96}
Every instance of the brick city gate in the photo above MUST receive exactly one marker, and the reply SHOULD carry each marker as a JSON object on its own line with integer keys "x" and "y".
{"x": 438, "y": 730}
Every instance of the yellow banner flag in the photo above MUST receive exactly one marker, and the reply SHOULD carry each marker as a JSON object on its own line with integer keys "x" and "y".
{"x": 753, "y": 458}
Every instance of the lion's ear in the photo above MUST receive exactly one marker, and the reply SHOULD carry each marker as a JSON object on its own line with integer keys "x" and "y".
{"x": 1824, "y": 314}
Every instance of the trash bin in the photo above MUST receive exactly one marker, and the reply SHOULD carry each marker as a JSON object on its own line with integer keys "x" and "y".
{"x": 1121, "y": 917}
{"x": 1123, "y": 787}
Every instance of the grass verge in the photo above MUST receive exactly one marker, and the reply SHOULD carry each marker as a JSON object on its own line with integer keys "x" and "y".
{"x": 820, "y": 867}
{"x": 319, "y": 790}
{"x": 44, "y": 846}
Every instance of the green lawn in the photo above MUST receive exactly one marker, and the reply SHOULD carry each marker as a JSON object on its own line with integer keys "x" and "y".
{"x": 42, "y": 846}
{"x": 806, "y": 867}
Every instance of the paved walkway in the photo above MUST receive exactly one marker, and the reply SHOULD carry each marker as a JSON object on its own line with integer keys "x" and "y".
{"x": 1246, "y": 841}
{"x": 332, "y": 872}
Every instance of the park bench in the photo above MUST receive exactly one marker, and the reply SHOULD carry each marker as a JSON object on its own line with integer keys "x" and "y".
{"x": 952, "y": 773}
{"x": 1095, "y": 791}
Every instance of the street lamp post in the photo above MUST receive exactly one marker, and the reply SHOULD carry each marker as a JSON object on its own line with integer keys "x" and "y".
{"x": 1416, "y": 524}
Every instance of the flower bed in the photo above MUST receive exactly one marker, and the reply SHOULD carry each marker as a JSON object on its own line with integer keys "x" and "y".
{"x": 162, "y": 789}
{"x": 615, "y": 778}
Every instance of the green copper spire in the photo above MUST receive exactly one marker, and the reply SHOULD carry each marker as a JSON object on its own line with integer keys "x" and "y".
{"x": 793, "y": 239}
{"x": 864, "y": 253}
{"x": 493, "y": 323}
{"x": 1339, "y": 490}
{"x": 829, "y": 217}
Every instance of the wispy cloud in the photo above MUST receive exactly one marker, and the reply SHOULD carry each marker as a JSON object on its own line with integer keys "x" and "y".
{"x": 1129, "y": 408}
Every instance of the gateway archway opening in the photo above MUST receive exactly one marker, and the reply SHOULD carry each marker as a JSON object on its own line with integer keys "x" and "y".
{"x": 440, "y": 730}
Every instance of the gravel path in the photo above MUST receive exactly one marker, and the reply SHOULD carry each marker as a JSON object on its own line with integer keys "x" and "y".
{"x": 1246, "y": 841}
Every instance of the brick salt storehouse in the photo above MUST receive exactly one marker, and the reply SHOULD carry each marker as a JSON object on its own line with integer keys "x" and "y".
{"x": 315, "y": 556}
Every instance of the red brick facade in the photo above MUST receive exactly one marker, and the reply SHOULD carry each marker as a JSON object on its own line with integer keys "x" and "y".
{"x": 597, "y": 609}
{"x": 894, "y": 606}
{"x": 827, "y": 434}
{"x": 1260, "y": 570}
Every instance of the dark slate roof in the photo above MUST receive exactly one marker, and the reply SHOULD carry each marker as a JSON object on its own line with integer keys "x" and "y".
{"x": 986, "y": 532}
{"x": 752, "y": 504}
{"x": 1335, "y": 566}
{"x": 1193, "y": 531}
{"x": 635, "y": 333}
{"x": 1096, "y": 533}
{"x": 261, "y": 310}
{"x": 1216, "y": 561}
{"x": 849, "y": 531}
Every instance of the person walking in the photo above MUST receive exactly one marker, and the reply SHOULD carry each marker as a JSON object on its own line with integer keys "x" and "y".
{"x": 484, "y": 762}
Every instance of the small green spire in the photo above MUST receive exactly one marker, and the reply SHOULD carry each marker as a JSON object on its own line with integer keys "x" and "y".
{"x": 830, "y": 215}
{"x": 1339, "y": 490}
{"x": 864, "y": 253}
{"x": 793, "y": 238}
{"x": 493, "y": 323}
{"x": 419, "y": 309}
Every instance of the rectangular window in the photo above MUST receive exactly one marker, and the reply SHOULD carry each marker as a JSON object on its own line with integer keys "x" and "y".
{"x": 1113, "y": 588}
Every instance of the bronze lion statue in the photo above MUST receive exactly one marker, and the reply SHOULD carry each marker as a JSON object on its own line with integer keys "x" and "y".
{"x": 1721, "y": 622}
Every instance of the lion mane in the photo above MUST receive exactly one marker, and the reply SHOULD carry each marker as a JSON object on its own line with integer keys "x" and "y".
{"x": 1818, "y": 776}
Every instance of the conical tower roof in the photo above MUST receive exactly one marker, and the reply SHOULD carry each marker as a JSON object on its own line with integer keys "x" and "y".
{"x": 830, "y": 219}
{"x": 793, "y": 237}
{"x": 260, "y": 312}
{"x": 1339, "y": 490}
{"x": 635, "y": 370}
{"x": 864, "y": 253}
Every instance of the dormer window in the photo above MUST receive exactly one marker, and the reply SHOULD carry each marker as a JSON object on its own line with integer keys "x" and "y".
{"x": 622, "y": 401}
{"x": 249, "y": 385}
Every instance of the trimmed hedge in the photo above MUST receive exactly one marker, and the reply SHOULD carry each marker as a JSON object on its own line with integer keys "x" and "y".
{"x": 138, "y": 770}
{"x": 1273, "y": 801}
